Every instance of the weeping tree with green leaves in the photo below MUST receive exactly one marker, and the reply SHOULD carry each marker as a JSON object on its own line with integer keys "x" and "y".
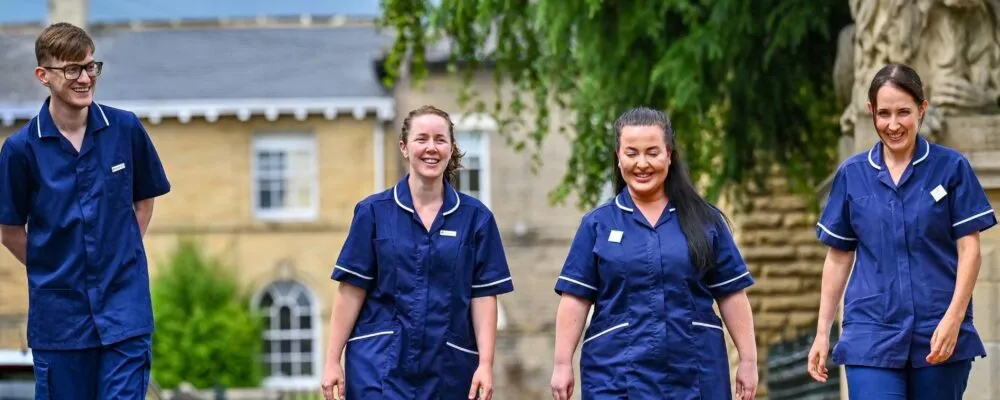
{"x": 747, "y": 83}
{"x": 206, "y": 333}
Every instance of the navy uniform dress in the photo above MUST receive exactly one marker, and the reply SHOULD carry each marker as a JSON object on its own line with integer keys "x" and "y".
{"x": 414, "y": 337}
{"x": 906, "y": 254}
{"x": 653, "y": 333}
{"x": 88, "y": 285}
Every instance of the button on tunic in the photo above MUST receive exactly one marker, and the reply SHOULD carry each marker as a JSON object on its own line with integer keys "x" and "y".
{"x": 906, "y": 261}
{"x": 653, "y": 332}
{"x": 88, "y": 283}
{"x": 414, "y": 337}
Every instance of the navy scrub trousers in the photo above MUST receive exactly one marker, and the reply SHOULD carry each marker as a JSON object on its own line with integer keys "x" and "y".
{"x": 414, "y": 338}
{"x": 906, "y": 263}
{"x": 653, "y": 333}
{"x": 90, "y": 316}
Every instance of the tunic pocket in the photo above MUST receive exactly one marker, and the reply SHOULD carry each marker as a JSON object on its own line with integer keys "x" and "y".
{"x": 713, "y": 357}
{"x": 864, "y": 330}
{"x": 371, "y": 352}
{"x": 58, "y": 317}
{"x": 118, "y": 179}
{"x": 938, "y": 303}
{"x": 866, "y": 219}
{"x": 934, "y": 219}
{"x": 870, "y": 309}
{"x": 461, "y": 358}
{"x": 604, "y": 359}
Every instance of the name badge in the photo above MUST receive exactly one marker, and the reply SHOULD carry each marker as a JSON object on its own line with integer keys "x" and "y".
{"x": 118, "y": 167}
{"x": 938, "y": 193}
{"x": 448, "y": 233}
{"x": 615, "y": 236}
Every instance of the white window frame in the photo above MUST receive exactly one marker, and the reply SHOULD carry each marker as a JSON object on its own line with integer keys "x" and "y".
{"x": 301, "y": 382}
{"x": 287, "y": 142}
{"x": 486, "y": 127}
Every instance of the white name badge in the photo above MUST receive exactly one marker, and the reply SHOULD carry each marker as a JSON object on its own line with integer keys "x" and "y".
{"x": 118, "y": 167}
{"x": 448, "y": 233}
{"x": 615, "y": 236}
{"x": 938, "y": 193}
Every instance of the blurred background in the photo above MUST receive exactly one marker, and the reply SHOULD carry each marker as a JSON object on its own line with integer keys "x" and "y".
{"x": 274, "y": 118}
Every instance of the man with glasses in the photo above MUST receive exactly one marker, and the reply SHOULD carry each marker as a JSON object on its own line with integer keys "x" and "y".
{"x": 77, "y": 184}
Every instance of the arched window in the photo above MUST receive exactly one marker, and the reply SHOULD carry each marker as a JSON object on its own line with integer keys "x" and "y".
{"x": 290, "y": 342}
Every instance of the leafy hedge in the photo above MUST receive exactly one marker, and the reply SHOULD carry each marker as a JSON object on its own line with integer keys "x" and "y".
{"x": 206, "y": 333}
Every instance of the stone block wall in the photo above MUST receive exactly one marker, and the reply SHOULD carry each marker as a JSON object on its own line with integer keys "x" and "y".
{"x": 777, "y": 238}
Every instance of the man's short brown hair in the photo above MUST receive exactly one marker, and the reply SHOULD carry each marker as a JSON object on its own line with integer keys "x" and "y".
{"x": 63, "y": 42}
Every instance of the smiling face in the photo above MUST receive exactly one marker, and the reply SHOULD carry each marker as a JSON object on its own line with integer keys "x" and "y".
{"x": 427, "y": 146}
{"x": 71, "y": 83}
{"x": 65, "y": 57}
{"x": 897, "y": 115}
{"x": 643, "y": 158}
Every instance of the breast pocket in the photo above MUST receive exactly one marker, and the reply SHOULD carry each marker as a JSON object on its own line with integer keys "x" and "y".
{"x": 866, "y": 214}
{"x": 934, "y": 216}
{"x": 615, "y": 258}
{"x": 118, "y": 178}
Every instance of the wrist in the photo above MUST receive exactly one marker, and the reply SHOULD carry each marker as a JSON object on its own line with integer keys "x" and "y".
{"x": 823, "y": 330}
{"x": 748, "y": 360}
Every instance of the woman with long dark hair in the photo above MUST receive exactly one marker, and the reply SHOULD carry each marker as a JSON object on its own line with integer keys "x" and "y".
{"x": 903, "y": 221}
{"x": 652, "y": 262}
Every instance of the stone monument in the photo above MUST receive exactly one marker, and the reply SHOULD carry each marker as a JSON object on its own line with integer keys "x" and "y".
{"x": 955, "y": 47}
{"x": 953, "y": 44}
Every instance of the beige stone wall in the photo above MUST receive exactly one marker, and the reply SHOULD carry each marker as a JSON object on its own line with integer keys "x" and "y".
{"x": 13, "y": 287}
{"x": 778, "y": 241}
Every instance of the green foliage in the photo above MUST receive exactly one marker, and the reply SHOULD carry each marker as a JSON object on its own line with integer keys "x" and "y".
{"x": 205, "y": 332}
{"x": 747, "y": 83}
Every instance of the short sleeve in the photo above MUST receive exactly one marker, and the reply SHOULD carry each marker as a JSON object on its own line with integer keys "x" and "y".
{"x": 730, "y": 273}
{"x": 14, "y": 194}
{"x": 970, "y": 208}
{"x": 579, "y": 273}
{"x": 492, "y": 274}
{"x": 834, "y": 226}
{"x": 149, "y": 180}
{"x": 356, "y": 264}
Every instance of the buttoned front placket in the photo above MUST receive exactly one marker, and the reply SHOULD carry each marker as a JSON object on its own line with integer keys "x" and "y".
{"x": 420, "y": 291}
{"x": 897, "y": 219}
{"x": 416, "y": 305}
{"x": 89, "y": 189}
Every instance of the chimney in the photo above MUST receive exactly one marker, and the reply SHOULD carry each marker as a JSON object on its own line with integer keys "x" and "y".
{"x": 72, "y": 11}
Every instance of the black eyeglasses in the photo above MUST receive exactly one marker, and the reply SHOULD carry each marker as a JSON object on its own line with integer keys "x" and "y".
{"x": 72, "y": 71}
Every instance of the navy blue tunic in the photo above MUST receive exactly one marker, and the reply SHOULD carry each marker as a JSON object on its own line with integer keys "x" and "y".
{"x": 653, "y": 333}
{"x": 906, "y": 260}
{"x": 88, "y": 283}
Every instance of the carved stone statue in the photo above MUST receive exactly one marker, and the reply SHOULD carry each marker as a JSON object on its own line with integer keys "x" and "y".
{"x": 953, "y": 44}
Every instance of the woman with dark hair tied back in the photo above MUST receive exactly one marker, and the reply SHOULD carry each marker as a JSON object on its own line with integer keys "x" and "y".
{"x": 907, "y": 215}
{"x": 652, "y": 262}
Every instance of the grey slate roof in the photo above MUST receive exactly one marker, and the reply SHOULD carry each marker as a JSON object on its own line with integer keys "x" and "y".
{"x": 103, "y": 11}
{"x": 214, "y": 63}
